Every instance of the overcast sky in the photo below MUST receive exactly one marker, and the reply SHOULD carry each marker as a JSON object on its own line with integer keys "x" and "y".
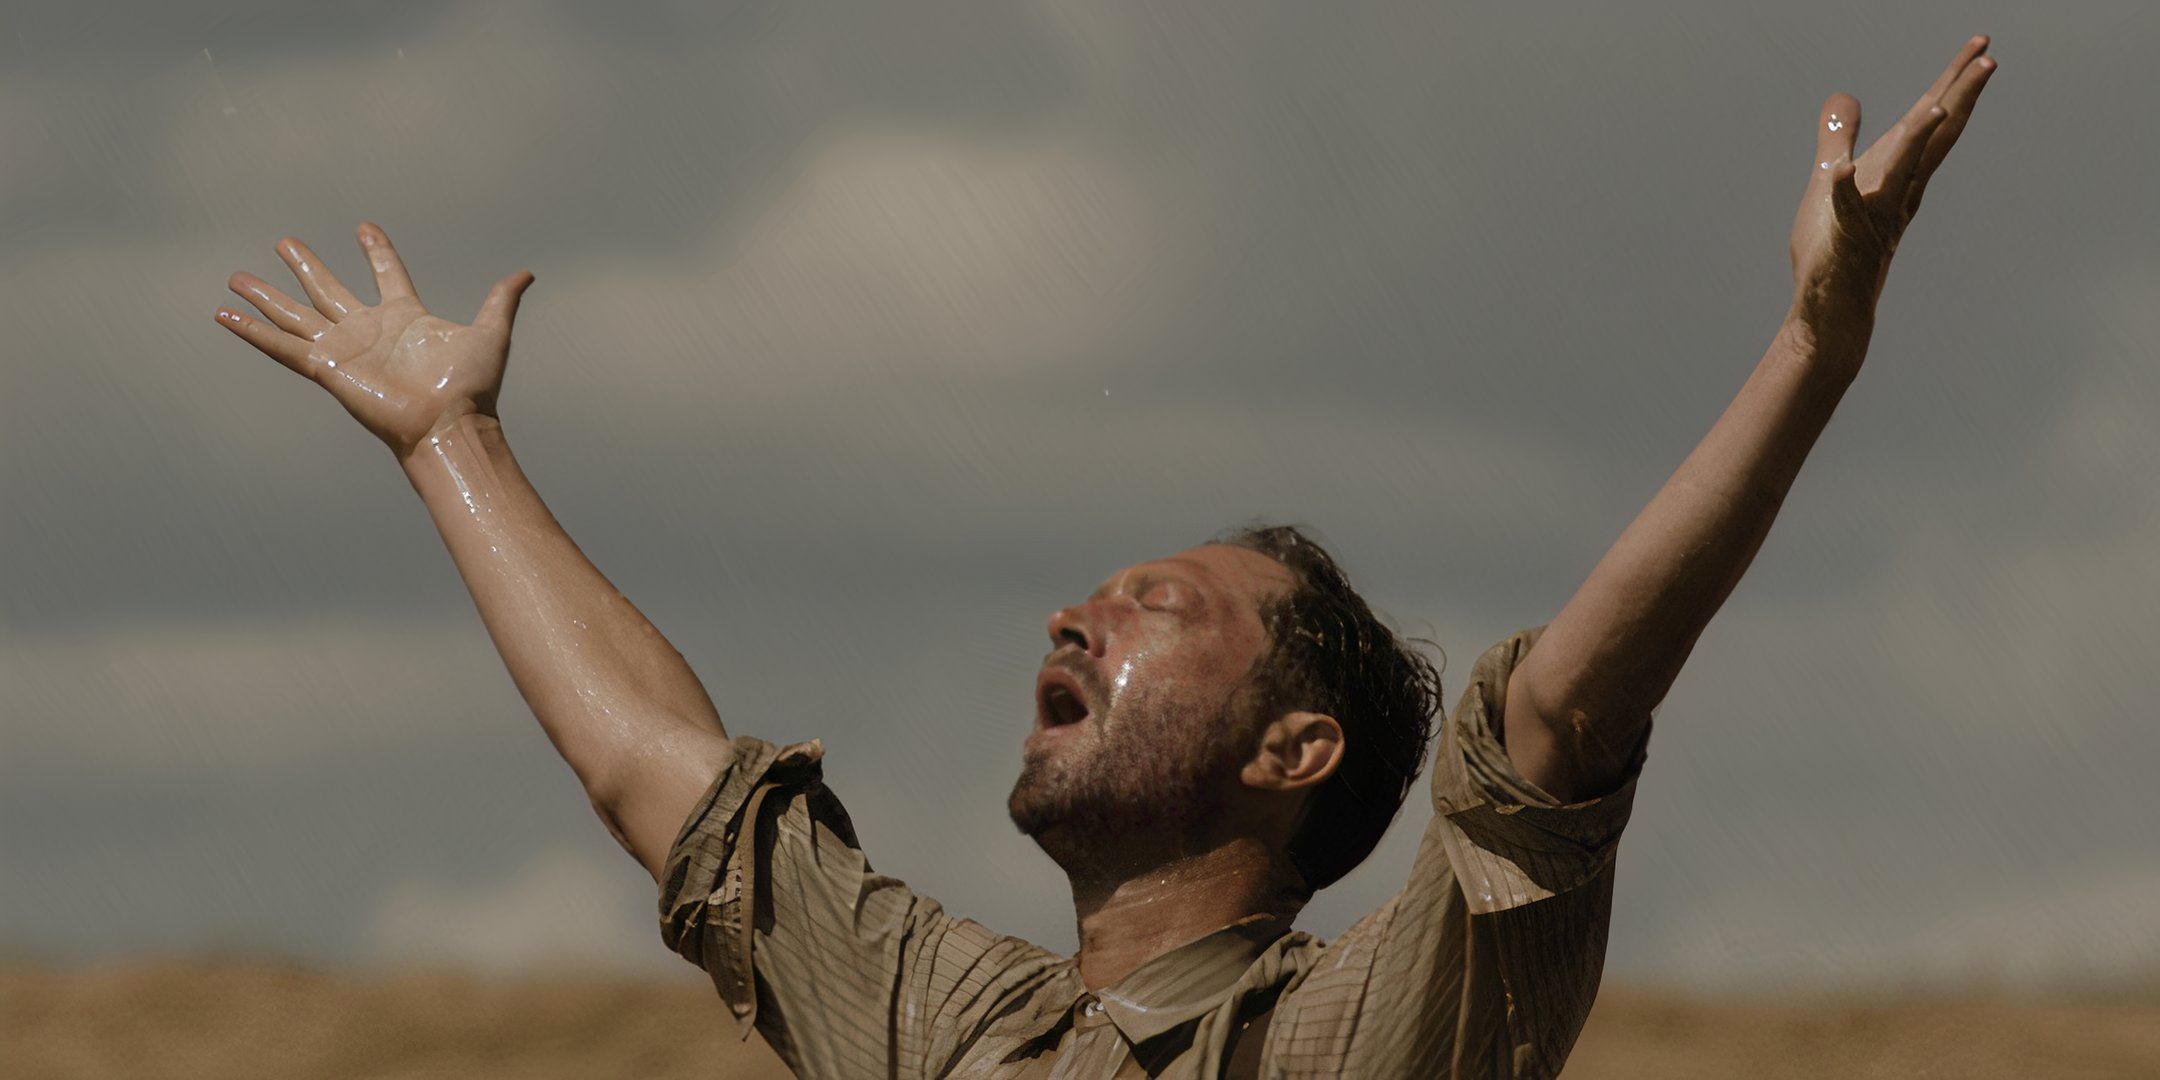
{"x": 866, "y": 335}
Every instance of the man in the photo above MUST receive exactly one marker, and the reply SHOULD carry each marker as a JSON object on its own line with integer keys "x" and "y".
{"x": 1218, "y": 734}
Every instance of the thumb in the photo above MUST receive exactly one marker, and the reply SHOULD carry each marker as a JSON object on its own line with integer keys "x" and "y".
{"x": 1837, "y": 130}
{"x": 1851, "y": 209}
{"x": 499, "y": 310}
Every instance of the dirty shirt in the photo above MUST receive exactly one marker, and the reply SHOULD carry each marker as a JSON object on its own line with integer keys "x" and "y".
{"x": 1483, "y": 965}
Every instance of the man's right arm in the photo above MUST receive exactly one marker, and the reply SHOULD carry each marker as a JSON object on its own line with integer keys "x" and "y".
{"x": 616, "y": 699}
{"x": 761, "y": 880}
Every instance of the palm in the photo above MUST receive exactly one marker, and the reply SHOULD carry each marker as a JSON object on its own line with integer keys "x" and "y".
{"x": 395, "y": 367}
{"x": 1856, "y": 208}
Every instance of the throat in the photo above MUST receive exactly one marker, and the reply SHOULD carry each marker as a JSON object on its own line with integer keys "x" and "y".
{"x": 1131, "y": 918}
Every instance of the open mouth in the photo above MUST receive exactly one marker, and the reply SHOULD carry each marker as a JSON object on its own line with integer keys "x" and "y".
{"x": 1058, "y": 700}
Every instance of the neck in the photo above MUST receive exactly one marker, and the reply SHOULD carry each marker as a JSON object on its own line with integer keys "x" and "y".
{"x": 1129, "y": 918}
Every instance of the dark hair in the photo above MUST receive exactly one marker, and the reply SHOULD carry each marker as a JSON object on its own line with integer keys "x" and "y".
{"x": 1330, "y": 654}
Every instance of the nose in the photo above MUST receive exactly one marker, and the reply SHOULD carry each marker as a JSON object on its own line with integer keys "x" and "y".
{"x": 1068, "y": 626}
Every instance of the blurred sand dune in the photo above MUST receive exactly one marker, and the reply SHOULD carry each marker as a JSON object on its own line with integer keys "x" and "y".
{"x": 242, "y": 1019}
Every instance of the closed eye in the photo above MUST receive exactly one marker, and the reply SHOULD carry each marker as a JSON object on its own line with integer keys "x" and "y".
{"x": 1164, "y": 595}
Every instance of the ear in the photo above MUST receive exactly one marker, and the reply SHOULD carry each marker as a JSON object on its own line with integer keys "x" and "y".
{"x": 1297, "y": 751}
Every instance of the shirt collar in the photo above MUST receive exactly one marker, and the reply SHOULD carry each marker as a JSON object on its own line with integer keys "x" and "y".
{"x": 1188, "y": 981}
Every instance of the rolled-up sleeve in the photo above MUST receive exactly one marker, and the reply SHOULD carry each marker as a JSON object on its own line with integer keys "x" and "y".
{"x": 708, "y": 889}
{"x": 1487, "y": 960}
{"x": 1511, "y": 843}
{"x": 844, "y": 971}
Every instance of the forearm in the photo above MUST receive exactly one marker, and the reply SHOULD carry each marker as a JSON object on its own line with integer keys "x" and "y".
{"x": 612, "y": 694}
{"x": 1583, "y": 695}
{"x": 1580, "y": 699}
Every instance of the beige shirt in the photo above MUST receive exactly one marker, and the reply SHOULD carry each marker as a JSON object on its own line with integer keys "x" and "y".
{"x": 1484, "y": 964}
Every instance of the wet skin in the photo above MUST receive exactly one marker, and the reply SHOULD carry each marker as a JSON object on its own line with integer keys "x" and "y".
{"x": 1144, "y": 709}
{"x": 1158, "y": 655}
{"x": 394, "y": 366}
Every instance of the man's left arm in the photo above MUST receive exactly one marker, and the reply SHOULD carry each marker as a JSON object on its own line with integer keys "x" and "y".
{"x": 1579, "y": 703}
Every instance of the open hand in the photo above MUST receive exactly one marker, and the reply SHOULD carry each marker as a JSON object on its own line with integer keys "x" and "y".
{"x": 1856, "y": 209}
{"x": 395, "y": 368}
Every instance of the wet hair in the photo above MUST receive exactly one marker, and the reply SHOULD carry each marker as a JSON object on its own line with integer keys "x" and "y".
{"x": 1330, "y": 654}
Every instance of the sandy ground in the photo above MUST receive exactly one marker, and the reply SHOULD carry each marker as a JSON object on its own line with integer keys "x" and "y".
{"x": 200, "y": 1018}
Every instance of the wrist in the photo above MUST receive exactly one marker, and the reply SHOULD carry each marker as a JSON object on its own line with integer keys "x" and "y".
{"x": 462, "y": 418}
{"x": 1827, "y": 343}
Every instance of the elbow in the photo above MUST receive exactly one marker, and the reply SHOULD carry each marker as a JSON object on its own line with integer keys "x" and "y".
{"x": 643, "y": 797}
{"x": 1565, "y": 747}
{"x": 608, "y": 795}
{"x": 608, "y": 811}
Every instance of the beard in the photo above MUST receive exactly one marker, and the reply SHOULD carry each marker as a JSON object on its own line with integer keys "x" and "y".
{"x": 1151, "y": 779}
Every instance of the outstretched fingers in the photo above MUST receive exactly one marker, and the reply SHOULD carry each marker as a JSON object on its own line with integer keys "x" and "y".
{"x": 1904, "y": 163}
{"x": 391, "y": 280}
{"x": 499, "y": 310}
{"x": 1957, "y": 103}
{"x": 1966, "y": 54}
{"x": 289, "y": 314}
{"x": 323, "y": 289}
{"x": 278, "y": 345}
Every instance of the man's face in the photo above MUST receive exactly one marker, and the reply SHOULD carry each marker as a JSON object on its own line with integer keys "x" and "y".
{"x": 1142, "y": 718}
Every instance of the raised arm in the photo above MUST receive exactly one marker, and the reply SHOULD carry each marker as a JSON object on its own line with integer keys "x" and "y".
{"x": 1580, "y": 701}
{"x": 615, "y": 698}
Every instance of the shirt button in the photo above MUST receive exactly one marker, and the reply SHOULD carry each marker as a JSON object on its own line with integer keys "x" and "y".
{"x": 1092, "y": 1009}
